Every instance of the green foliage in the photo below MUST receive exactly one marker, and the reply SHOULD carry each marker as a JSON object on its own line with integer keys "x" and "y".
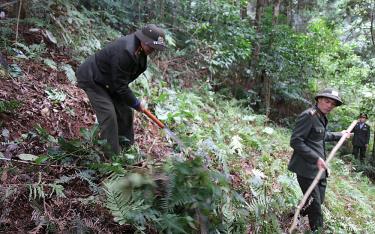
{"x": 15, "y": 71}
{"x": 45, "y": 137}
{"x": 38, "y": 190}
{"x": 55, "y": 95}
{"x": 9, "y": 106}
{"x": 69, "y": 72}
{"x": 225, "y": 137}
{"x": 219, "y": 20}
{"x": 350, "y": 202}
{"x": 34, "y": 51}
{"x": 368, "y": 100}
{"x": 179, "y": 199}
{"x": 85, "y": 152}
{"x": 50, "y": 63}
{"x": 5, "y": 34}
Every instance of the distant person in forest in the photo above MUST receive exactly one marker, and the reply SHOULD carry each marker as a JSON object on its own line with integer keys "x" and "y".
{"x": 106, "y": 75}
{"x": 308, "y": 142}
{"x": 361, "y": 137}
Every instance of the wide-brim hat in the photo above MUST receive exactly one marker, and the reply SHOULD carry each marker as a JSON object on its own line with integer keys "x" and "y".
{"x": 152, "y": 36}
{"x": 330, "y": 93}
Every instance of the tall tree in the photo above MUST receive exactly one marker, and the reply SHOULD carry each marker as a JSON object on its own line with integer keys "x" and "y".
{"x": 267, "y": 80}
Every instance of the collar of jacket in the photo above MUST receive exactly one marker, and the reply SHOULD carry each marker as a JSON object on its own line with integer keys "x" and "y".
{"x": 322, "y": 117}
{"x": 132, "y": 46}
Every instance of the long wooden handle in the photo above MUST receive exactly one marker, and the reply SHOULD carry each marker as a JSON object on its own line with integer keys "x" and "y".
{"x": 320, "y": 173}
{"x": 153, "y": 117}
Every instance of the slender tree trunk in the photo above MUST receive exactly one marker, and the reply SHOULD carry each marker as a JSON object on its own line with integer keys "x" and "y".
{"x": 258, "y": 14}
{"x": 243, "y": 10}
{"x": 372, "y": 25}
{"x": 257, "y": 46}
{"x": 175, "y": 10}
{"x": 139, "y": 11}
{"x": 162, "y": 9}
{"x": 189, "y": 10}
{"x": 289, "y": 11}
{"x": 267, "y": 81}
{"x": 276, "y": 11}
{"x": 148, "y": 10}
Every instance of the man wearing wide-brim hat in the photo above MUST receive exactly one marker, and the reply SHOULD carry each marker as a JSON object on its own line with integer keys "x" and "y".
{"x": 361, "y": 137}
{"x": 308, "y": 142}
{"x": 106, "y": 75}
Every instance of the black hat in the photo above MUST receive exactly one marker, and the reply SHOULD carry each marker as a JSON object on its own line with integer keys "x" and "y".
{"x": 330, "y": 93}
{"x": 152, "y": 36}
{"x": 363, "y": 115}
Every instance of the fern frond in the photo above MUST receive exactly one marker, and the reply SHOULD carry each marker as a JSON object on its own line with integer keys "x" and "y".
{"x": 260, "y": 205}
{"x": 86, "y": 175}
{"x": 165, "y": 189}
{"x": 128, "y": 206}
{"x": 172, "y": 223}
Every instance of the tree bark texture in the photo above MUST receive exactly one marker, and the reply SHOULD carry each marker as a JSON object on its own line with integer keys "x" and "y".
{"x": 267, "y": 80}
{"x": 372, "y": 25}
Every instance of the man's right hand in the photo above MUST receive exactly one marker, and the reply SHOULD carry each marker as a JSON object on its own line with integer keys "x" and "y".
{"x": 321, "y": 164}
{"x": 141, "y": 107}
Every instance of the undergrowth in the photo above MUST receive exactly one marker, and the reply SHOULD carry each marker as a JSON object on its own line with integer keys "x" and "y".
{"x": 232, "y": 178}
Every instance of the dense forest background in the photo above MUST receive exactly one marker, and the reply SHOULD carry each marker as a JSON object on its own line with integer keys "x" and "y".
{"x": 235, "y": 76}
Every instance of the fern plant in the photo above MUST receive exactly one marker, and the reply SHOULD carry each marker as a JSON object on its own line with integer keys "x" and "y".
{"x": 181, "y": 197}
{"x": 82, "y": 152}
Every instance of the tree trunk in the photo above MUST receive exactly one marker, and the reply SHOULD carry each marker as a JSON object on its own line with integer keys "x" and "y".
{"x": 13, "y": 9}
{"x": 276, "y": 11}
{"x": 243, "y": 10}
{"x": 372, "y": 26}
{"x": 267, "y": 81}
{"x": 161, "y": 10}
{"x": 289, "y": 12}
{"x": 175, "y": 11}
{"x": 258, "y": 14}
{"x": 258, "y": 75}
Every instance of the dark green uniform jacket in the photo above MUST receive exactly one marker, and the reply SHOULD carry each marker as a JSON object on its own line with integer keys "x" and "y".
{"x": 361, "y": 135}
{"x": 308, "y": 141}
{"x": 114, "y": 67}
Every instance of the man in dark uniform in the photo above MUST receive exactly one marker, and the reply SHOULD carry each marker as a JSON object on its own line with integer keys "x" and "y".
{"x": 361, "y": 137}
{"x": 106, "y": 75}
{"x": 308, "y": 141}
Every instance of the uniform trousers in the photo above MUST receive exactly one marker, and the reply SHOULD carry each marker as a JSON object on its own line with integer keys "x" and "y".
{"x": 114, "y": 116}
{"x": 313, "y": 207}
{"x": 359, "y": 151}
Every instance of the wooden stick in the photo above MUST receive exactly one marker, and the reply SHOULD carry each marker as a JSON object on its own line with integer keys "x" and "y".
{"x": 18, "y": 20}
{"x": 317, "y": 177}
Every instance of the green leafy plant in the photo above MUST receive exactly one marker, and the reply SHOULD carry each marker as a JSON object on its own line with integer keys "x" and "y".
{"x": 33, "y": 51}
{"x": 177, "y": 200}
{"x": 9, "y": 106}
{"x": 55, "y": 95}
{"x": 15, "y": 71}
